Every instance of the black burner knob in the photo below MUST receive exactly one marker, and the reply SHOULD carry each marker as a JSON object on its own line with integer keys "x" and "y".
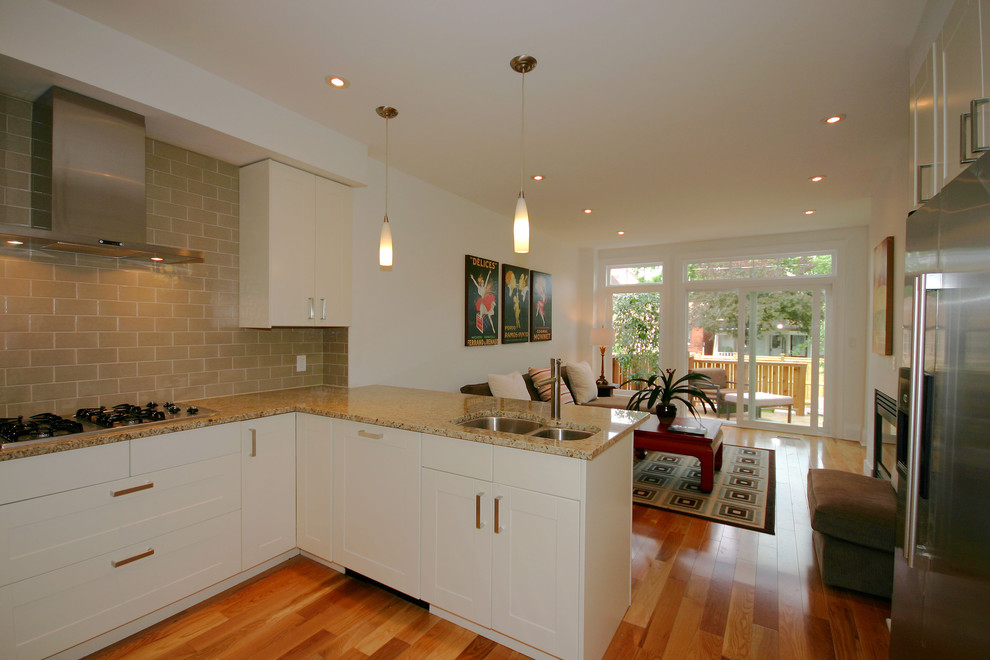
{"x": 192, "y": 410}
{"x": 151, "y": 405}
{"x": 171, "y": 408}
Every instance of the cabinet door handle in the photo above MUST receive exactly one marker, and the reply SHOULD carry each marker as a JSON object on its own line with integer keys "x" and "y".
{"x": 323, "y": 301}
{"x": 921, "y": 190}
{"x": 132, "y": 489}
{"x": 477, "y": 510}
{"x": 123, "y": 562}
{"x": 254, "y": 443}
{"x": 975, "y": 143}
{"x": 963, "y": 141}
{"x": 369, "y": 434}
{"x": 312, "y": 308}
{"x": 498, "y": 528}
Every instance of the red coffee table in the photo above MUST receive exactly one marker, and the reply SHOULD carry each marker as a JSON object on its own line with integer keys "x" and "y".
{"x": 706, "y": 448}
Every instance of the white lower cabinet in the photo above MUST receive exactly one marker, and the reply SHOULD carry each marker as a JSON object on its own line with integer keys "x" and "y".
{"x": 314, "y": 485}
{"x": 56, "y": 610}
{"x": 376, "y": 496}
{"x": 506, "y": 542}
{"x": 78, "y": 563}
{"x": 268, "y": 488}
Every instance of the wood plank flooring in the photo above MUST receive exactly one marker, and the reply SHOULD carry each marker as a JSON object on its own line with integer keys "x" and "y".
{"x": 700, "y": 590}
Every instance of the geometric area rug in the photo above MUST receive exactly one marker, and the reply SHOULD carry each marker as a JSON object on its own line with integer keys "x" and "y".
{"x": 743, "y": 495}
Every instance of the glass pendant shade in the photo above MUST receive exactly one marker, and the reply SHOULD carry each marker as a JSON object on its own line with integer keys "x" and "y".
{"x": 385, "y": 247}
{"x": 385, "y": 241}
{"x": 520, "y": 227}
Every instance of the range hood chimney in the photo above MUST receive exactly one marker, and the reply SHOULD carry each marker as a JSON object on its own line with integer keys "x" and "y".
{"x": 87, "y": 182}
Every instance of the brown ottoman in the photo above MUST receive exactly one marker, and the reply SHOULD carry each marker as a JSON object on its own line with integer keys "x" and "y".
{"x": 853, "y": 522}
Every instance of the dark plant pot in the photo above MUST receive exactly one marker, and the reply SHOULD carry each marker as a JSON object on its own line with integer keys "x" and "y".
{"x": 666, "y": 415}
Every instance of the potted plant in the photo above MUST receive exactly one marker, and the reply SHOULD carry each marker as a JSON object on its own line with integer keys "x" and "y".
{"x": 661, "y": 390}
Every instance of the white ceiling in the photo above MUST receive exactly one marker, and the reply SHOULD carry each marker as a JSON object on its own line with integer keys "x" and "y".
{"x": 674, "y": 120}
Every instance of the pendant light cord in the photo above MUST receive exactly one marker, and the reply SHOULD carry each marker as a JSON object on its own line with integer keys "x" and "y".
{"x": 522, "y": 138}
{"x": 386, "y": 170}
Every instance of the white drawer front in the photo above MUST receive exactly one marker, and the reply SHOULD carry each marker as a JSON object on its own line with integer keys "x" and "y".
{"x": 471, "y": 459}
{"x": 54, "y": 611}
{"x": 542, "y": 473}
{"x": 157, "y": 452}
{"x": 47, "y": 533}
{"x": 23, "y": 478}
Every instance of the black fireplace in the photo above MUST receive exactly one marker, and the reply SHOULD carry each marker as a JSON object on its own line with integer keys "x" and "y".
{"x": 884, "y": 435}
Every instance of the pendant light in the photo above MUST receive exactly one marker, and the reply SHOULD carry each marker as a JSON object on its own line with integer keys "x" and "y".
{"x": 520, "y": 226}
{"x": 385, "y": 242}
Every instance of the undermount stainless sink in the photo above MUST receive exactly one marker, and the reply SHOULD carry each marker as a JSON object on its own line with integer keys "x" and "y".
{"x": 504, "y": 424}
{"x": 521, "y": 426}
{"x": 562, "y": 434}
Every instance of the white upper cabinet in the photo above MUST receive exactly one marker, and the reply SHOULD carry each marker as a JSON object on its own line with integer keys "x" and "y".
{"x": 950, "y": 108}
{"x": 962, "y": 83}
{"x": 924, "y": 132}
{"x": 295, "y": 248}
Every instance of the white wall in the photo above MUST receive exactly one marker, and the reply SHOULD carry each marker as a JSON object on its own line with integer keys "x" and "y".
{"x": 408, "y": 326}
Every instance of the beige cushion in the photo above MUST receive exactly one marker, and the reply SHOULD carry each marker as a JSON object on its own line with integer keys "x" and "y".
{"x": 508, "y": 386}
{"x": 584, "y": 387}
{"x": 539, "y": 377}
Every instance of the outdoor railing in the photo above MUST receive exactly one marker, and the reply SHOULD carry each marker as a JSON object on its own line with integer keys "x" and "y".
{"x": 785, "y": 376}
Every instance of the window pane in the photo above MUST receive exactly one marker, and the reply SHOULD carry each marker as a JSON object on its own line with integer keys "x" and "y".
{"x": 626, "y": 275}
{"x": 806, "y": 265}
{"x": 636, "y": 319}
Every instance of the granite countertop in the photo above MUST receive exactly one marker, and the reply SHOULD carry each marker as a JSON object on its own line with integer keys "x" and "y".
{"x": 424, "y": 411}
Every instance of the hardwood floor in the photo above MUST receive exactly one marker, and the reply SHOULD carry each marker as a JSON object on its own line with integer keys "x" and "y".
{"x": 700, "y": 590}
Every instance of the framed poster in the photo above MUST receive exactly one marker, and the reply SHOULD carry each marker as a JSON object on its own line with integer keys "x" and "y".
{"x": 883, "y": 297}
{"x": 541, "y": 307}
{"x": 515, "y": 304}
{"x": 481, "y": 301}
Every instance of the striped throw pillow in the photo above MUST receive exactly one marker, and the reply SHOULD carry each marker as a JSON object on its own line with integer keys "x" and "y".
{"x": 541, "y": 380}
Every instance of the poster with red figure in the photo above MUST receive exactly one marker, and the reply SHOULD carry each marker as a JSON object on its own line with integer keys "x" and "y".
{"x": 481, "y": 306}
{"x": 541, "y": 307}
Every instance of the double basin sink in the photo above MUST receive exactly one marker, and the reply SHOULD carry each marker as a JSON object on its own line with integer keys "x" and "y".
{"x": 529, "y": 427}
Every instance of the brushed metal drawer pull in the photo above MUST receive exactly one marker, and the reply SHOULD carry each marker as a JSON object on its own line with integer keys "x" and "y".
{"x": 477, "y": 510}
{"x": 324, "y": 302}
{"x": 312, "y": 308}
{"x": 369, "y": 434}
{"x": 132, "y": 489}
{"x": 142, "y": 555}
{"x": 254, "y": 443}
{"x": 498, "y": 528}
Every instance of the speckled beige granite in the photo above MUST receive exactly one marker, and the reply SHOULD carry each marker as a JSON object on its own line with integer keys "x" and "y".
{"x": 398, "y": 407}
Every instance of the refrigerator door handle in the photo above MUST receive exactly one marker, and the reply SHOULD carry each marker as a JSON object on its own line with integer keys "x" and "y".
{"x": 916, "y": 422}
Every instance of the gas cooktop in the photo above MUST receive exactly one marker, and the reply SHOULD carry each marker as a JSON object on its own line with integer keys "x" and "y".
{"x": 49, "y": 426}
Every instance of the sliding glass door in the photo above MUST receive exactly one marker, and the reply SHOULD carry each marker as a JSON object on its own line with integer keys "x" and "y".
{"x": 763, "y": 337}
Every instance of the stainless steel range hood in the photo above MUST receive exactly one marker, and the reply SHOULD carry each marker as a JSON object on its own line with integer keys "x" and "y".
{"x": 87, "y": 182}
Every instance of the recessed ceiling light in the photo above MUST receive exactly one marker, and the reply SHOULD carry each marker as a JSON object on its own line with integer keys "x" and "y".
{"x": 537, "y": 177}
{"x": 834, "y": 119}
{"x": 587, "y": 210}
{"x": 337, "y": 81}
{"x": 816, "y": 179}
{"x": 13, "y": 242}
{"x": 621, "y": 233}
{"x": 810, "y": 212}
{"x": 156, "y": 259}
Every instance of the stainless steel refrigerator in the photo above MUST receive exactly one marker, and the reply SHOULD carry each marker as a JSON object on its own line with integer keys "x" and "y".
{"x": 941, "y": 601}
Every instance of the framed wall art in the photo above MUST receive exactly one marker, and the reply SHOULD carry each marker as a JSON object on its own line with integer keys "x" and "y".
{"x": 515, "y": 304}
{"x": 481, "y": 301}
{"x": 883, "y": 297}
{"x": 541, "y": 306}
